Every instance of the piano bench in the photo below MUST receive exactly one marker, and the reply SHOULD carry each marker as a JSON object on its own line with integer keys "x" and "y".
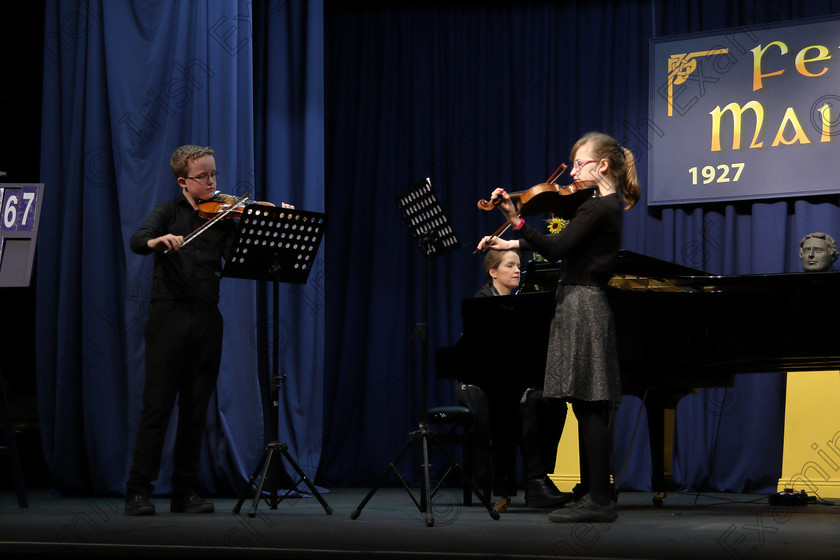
{"x": 458, "y": 422}
{"x": 451, "y": 416}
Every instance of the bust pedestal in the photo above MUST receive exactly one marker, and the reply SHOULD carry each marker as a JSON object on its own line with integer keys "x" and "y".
{"x": 811, "y": 458}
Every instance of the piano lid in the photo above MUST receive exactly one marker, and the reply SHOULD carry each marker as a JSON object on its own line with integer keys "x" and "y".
{"x": 637, "y": 263}
{"x": 640, "y": 272}
{"x": 636, "y": 271}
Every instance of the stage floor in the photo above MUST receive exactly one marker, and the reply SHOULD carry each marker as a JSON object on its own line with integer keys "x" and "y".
{"x": 390, "y": 525}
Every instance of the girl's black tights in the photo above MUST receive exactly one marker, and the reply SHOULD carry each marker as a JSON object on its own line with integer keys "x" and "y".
{"x": 594, "y": 441}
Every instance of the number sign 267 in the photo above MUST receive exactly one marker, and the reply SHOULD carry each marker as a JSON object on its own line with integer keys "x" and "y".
{"x": 18, "y": 208}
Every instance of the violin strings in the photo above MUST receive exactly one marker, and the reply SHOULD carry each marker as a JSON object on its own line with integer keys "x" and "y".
{"x": 216, "y": 218}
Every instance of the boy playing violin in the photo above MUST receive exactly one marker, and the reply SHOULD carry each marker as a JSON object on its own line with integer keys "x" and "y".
{"x": 183, "y": 334}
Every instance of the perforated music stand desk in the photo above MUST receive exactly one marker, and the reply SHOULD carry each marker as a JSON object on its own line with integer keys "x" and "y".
{"x": 426, "y": 220}
{"x": 277, "y": 245}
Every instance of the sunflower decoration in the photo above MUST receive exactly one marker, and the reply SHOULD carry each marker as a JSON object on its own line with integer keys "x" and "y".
{"x": 552, "y": 225}
{"x": 555, "y": 224}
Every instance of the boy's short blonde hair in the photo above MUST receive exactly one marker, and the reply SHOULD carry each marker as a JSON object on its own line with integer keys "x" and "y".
{"x": 183, "y": 155}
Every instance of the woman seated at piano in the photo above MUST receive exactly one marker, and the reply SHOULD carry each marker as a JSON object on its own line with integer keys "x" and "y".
{"x": 501, "y": 272}
{"x": 508, "y": 415}
{"x": 582, "y": 361}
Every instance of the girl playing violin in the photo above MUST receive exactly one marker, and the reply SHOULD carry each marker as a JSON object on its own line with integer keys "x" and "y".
{"x": 582, "y": 364}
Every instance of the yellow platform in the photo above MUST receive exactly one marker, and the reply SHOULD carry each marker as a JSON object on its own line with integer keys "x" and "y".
{"x": 567, "y": 466}
{"x": 811, "y": 456}
{"x": 811, "y": 460}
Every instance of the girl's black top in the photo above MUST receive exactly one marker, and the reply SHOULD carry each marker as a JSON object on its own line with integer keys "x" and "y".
{"x": 588, "y": 245}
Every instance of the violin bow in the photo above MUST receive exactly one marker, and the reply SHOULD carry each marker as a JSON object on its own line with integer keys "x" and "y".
{"x": 220, "y": 216}
{"x": 557, "y": 172}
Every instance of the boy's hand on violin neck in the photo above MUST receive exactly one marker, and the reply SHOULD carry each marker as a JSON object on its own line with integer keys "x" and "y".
{"x": 166, "y": 242}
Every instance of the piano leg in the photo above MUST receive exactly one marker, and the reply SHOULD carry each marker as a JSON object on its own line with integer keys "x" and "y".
{"x": 661, "y": 412}
{"x": 505, "y": 433}
{"x": 656, "y": 429}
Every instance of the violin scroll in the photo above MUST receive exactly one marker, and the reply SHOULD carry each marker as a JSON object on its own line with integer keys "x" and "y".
{"x": 487, "y": 205}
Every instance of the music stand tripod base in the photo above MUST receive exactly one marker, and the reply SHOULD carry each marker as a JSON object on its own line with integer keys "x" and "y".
{"x": 262, "y": 472}
{"x": 275, "y": 244}
{"x": 424, "y": 506}
{"x": 431, "y": 229}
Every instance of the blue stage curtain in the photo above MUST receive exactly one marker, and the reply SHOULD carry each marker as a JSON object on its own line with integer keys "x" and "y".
{"x": 480, "y": 95}
{"x": 289, "y": 97}
{"x": 125, "y": 83}
{"x": 340, "y": 108}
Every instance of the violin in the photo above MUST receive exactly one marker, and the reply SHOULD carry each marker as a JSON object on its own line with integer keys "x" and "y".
{"x": 220, "y": 207}
{"x": 545, "y": 197}
{"x": 224, "y": 203}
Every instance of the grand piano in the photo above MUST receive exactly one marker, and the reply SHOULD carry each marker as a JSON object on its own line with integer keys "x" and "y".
{"x": 678, "y": 329}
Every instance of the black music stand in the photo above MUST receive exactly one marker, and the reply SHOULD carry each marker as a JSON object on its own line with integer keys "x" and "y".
{"x": 431, "y": 229}
{"x": 277, "y": 245}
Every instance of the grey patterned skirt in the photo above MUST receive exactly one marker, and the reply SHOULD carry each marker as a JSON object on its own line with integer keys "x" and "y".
{"x": 582, "y": 358}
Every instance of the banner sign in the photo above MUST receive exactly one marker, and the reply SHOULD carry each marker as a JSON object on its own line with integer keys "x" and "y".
{"x": 751, "y": 113}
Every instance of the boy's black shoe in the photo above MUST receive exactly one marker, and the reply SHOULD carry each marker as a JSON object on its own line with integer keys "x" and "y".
{"x": 139, "y": 504}
{"x": 586, "y": 510}
{"x": 540, "y": 493}
{"x": 190, "y": 503}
